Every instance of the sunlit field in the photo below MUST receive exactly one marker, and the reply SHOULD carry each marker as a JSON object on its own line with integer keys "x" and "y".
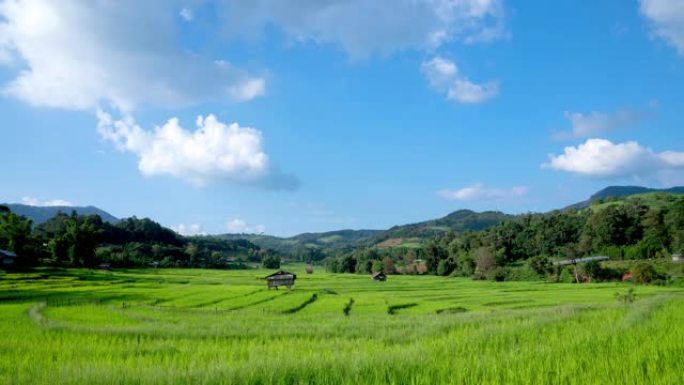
{"x": 225, "y": 327}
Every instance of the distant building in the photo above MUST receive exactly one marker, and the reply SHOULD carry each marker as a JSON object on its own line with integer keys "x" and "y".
{"x": 309, "y": 269}
{"x": 677, "y": 257}
{"x": 281, "y": 278}
{"x": 380, "y": 277}
{"x": 7, "y": 258}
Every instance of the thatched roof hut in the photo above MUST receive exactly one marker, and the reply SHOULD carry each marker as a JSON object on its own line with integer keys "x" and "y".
{"x": 7, "y": 258}
{"x": 380, "y": 277}
{"x": 281, "y": 278}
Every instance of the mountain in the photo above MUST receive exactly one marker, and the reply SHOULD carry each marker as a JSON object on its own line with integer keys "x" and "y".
{"x": 458, "y": 221}
{"x": 302, "y": 243}
{"x": 397, "y": 236}
{"x": 622, "y": 191}
{"x": 40, "y": 214}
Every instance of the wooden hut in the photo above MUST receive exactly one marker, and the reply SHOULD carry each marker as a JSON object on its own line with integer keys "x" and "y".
{"x": 7, "y": 258}
{"x": 309, "y": 269}
{"x": 281, "y": 278}
{"x": 380, "y": 277}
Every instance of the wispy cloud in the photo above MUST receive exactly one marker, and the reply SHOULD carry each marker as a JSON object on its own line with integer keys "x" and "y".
{"x": 481, "y": 193}
{"x": 364, "y": 28}
{"x": 76, "y": 55}
{"x": 594, "y": 124}
{"x": 240, "y": 226}
{"x": 187, "y": 14}
{"x": 667, "y": 20}
{"x": 444, "y": 77}
{"x": 189, "y": 230}
{"x": 31, "y": 201}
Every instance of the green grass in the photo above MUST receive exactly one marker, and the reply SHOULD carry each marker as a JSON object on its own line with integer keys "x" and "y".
{"x": 225, "y": 327}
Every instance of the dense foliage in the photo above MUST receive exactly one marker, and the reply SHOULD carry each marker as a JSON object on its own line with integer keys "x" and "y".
{"x": 640, "y": 227}
{"x": 87, "y": 240}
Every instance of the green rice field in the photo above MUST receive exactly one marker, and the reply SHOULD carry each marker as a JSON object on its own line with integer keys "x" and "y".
{"x": 225, "y": 327}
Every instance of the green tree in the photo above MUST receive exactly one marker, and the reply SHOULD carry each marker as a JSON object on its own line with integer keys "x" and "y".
{"x": 540, "y": 265}
{"x": 643, "y": 273}
{"x": 270, "y": 261}
{"x": 15, "y": 235}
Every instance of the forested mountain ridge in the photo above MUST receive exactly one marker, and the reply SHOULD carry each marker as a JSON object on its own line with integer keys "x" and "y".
{"x": 622, "y": 191}
{"x": 415, "y": 233}
{"x": 41, "y": 214}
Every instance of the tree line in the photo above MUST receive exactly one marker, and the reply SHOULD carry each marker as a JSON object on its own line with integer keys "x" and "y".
{"x": 87, "y": 240}
{"x": 631, "y": 228}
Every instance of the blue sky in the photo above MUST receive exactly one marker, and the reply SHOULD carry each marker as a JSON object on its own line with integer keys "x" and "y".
{"x": 322, "y": 115}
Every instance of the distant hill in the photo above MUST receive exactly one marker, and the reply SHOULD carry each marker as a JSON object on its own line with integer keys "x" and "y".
{"x": 405, "y": 235}
{"x": 458, "y": 221}
{"x": 298, "y": 244}
{"x": 40, "y": 214}
{"x": 622, "y": 191}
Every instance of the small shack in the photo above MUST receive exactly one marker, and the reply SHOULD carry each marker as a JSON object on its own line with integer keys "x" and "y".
{"x": 309, "y": 269}
{"x": 7, "y": 258}
{"x": 677, "y": 258}
{"x": 281, "y": 278}
{"x": 380, "y": 277}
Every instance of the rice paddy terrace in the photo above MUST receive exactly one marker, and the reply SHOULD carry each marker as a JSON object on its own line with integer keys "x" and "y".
{"x": 225, "y": 327}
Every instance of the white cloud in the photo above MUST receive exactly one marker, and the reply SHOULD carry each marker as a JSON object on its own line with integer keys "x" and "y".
{"x": 248, "y": 90}
{"x": 601, "y": 158}
{"x": 189, "y": 230}
{"x": 239, "y": 226}
{"x": 479, "y": 192}
{"x": 81, "y": 54}
{"x": 667, "y": 19}
{"x": 443, "y": 76}
{"x": 37, "y": 202}
{"x": 465, "y": 91}
{"x": 598, "y": 123}
{"x": 363, "y": 28}
{"x": 186, "y": 14}
{"x": 213, "y": 152}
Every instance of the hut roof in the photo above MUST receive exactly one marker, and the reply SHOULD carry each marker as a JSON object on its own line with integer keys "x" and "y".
{"x": 281, "y": 273}
{"x": 7, "y": 253}
{"x": 379, "y": 275}
{"x": 574, "y": 261}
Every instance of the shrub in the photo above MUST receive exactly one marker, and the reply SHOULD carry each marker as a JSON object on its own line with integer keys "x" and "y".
{"x": 643, "y": 273}
{"x": 540, "y": 264}
{"x": 566, "y": 275}
{"x": 347, "y": 308}
{"x": 594, "y": 270}
{"x": 498, "y": 274}
{"x": 270, "y": 262}
{"x": 627, "y": 297}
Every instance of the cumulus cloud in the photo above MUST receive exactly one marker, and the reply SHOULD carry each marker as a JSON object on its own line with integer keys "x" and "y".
{"x": 598, "y": 123}
{"x": 667, "y": 19}
{"x": 239, "y": 226}
{"x": 189, "y": 230}
{"x": 479, "y": 192}
{"x": 213, "y": 152}
{"x": 31, "y": 201}
{"x": 444, "y": 77}
{"x": 363, "y": 28}
{"x": 601, "y": 158}
{"x": 76, "y": 55}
